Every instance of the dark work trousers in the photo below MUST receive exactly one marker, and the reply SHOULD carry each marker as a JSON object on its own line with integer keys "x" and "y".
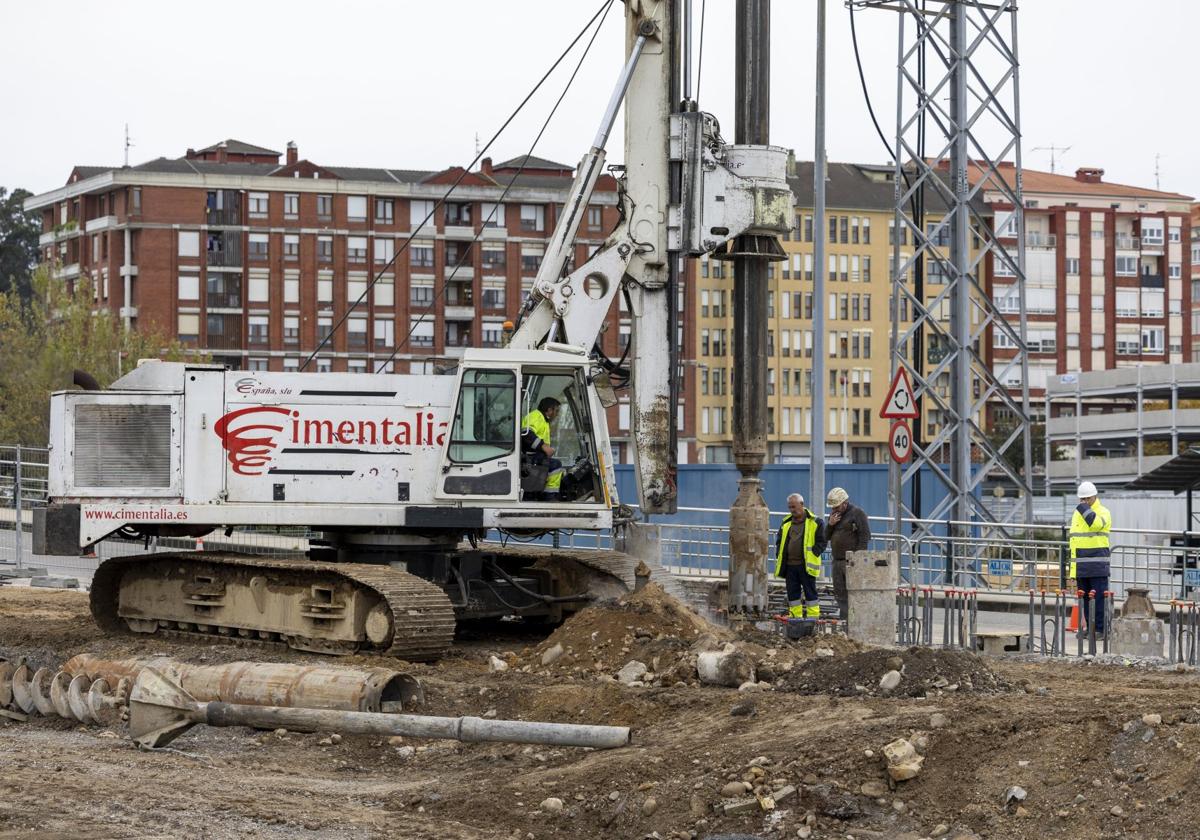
{"x": 800, "y": 582}
{"x": 839, "y": 588}
{"x": 1100, "y": 585}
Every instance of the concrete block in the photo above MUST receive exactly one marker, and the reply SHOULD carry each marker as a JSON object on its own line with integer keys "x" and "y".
{"x": 871, "y": 581}
{"x": 1137, "y": 636}
{"x": 54, "y": 582}
{"x": 999, "y": 642}
{"x": 10, "y": 570}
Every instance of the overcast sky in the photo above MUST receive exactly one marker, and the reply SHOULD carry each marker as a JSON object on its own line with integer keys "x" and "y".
{"x": 410, "y": 85}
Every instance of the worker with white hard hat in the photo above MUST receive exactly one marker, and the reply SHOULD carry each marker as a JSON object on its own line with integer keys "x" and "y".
{"x": 846, "y": 529}
{"x": 1090, "y": 549}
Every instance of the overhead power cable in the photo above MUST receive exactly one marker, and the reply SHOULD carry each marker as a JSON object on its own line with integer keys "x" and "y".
{"x": 440, "y": 291}
{"x": 441, "y": 201}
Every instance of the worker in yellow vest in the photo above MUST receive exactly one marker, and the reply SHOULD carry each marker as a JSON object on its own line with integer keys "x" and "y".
{"x": 1090, "y": 549}
{"x": 798, "y": 550}
{"x": 535, "y": 442}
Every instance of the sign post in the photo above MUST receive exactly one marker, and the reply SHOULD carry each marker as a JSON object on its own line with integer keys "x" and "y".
{"x": 900, "y": 441}
{"x": 900, "y": 406}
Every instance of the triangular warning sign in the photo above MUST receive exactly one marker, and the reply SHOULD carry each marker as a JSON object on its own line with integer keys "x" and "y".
{"x": 900, "y": 403}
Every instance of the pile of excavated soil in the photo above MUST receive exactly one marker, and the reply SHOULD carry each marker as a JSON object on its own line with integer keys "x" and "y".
{"x": 645, "y": 625}
{"x": 923, "y": 671}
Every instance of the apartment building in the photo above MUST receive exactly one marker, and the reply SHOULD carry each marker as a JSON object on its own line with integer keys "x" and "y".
{"x": 254, "y": 256}
{"x": 1108, "y": 280}
{"x": 859, "y": 235}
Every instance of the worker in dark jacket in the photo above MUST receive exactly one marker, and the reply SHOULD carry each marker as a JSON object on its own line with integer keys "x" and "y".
{"x": 846, "y": 529}
{"x": 798, "y": 549}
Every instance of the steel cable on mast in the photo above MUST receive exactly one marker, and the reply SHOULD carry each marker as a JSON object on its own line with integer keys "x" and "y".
{"x": 441, "y": 201}
{"x": 440, "y": 291}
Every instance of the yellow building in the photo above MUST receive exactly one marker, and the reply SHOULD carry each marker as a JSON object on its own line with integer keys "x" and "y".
{"x": 858, "y": 246}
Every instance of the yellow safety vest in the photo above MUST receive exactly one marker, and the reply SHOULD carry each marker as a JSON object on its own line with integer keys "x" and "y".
{"x": 1089, "y": 540}
{"x": 537, "y": 423}
{"x": 812, "y": 562}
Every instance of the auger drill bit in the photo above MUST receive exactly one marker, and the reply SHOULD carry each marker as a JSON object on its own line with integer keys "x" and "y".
{"x": 39, "y": 687}
{"x": 21, "y": 690}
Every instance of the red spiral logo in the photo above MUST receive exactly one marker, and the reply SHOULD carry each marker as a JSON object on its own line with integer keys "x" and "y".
{"x": 249, "y": 450}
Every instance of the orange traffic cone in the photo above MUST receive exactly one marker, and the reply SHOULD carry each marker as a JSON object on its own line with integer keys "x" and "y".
{"x": 1073, "y": 624}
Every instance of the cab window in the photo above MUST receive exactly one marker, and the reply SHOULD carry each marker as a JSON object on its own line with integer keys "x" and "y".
{"x": 485, "y": 420}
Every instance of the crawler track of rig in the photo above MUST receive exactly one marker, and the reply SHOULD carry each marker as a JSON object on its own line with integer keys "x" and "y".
{"x": 422, "y": 617}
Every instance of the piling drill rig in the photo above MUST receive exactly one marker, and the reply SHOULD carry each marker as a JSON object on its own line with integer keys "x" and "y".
{"x": 401, "y": 476}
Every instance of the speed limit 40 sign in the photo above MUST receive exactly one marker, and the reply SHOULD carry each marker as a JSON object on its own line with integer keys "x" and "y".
{"x": 900, "y": 442}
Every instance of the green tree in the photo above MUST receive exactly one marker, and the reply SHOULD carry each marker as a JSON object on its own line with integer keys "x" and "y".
{"x": 44, "y": 340}
{"x": 18, "y": 242}
{"x": 1015, "y": 456}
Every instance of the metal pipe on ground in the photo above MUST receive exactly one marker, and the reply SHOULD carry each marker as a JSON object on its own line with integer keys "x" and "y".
{"x": 1091, "y": 619}
{"x": 271, "y": 683}
{"x": 160, "y": 711}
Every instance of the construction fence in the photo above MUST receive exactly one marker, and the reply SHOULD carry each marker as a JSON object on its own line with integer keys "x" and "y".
{"x": 1002, "y": 560}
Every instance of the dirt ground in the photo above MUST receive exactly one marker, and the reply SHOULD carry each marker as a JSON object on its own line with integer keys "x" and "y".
{"x": 1071, "y": 735}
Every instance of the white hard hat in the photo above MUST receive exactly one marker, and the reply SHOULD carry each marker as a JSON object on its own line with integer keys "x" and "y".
{"x": 836, "y": 496}
{"x": 1087, "y": 489}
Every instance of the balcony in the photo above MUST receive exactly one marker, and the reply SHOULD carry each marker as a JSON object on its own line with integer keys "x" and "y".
{"x": 1127, "y": 242}
{"x": 100, "y": 223}
{"x": 1035, "y": 239}
{"x": 1151, "y": 281}
{"x": 227, "y": 216}
{"x": 227, "y": 297}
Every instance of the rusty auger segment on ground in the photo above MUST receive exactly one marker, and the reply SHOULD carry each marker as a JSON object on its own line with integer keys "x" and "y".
{"x": 75, "y": 697}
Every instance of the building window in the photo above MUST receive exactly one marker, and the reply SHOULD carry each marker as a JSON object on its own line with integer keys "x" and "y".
{"x": 458, "y": 213}
{"x": 385, "y": 211}
{"x": 833, "y": 229}
{"x": 291, "y": 246}
{"x": 291, "y": 205}
{"x": 356, "y": 208}
{"x": 356, "y": 333}
{"x": 1174, "y": 271}
{"x": 1073, "y": 266}
{"x": 385, "y": 250}
{"x": 531, "y": 257}
{"x": 291, "y": 330}
{"x": 493, "y": 295}
{"x": 189, "y": 286}
{"x": 135, "y": 200}
{"x": 259, "y": 325}
{"x": 1152, "y": 341}
{"x": 259, "y": 203}
{"x": 533, "y": 217}
{"x": 356, "y": 249}
{"x": 325, "y": 207}
{"x": 808, "y": 228}
{"x": 594, "y": 218}
{"x": 325, "y": 249}
{"x": 258, "y": 365}
{"x": 258, "y": 246}
{"x": 493, "y": 257}
{"x": 866, "y": 232}
{"x": 493, "y": 215}
{"x": 420, "y": 295}
{"x": 421, "y": 254}
{"x": 420, "y": 332}
{"x": 1127, "y": 266}
{"x": 189, "y": 243}
{"x": 189, "y": 327}
{"x": 420, "y": 211}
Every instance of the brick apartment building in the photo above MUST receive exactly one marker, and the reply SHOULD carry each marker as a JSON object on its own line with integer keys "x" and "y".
{"x": 1108, "y": 279}
{"x": 254, "y": 259}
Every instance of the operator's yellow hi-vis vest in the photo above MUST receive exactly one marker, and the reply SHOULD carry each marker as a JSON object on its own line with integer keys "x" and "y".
{"x": 812, "y": 563}
{"x": 537, "y": 423}
{"x": 1089, "y": 540}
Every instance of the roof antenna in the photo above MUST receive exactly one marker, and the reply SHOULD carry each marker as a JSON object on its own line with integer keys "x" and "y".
{"x": 1157, "y": 170}
{"x": 128, "y": 144}
{"x": 476, "y": 143}
{"x": 1053, "y": 150}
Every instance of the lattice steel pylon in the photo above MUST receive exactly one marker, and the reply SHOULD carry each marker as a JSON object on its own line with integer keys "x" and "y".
{"x": 958, "y": 74}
